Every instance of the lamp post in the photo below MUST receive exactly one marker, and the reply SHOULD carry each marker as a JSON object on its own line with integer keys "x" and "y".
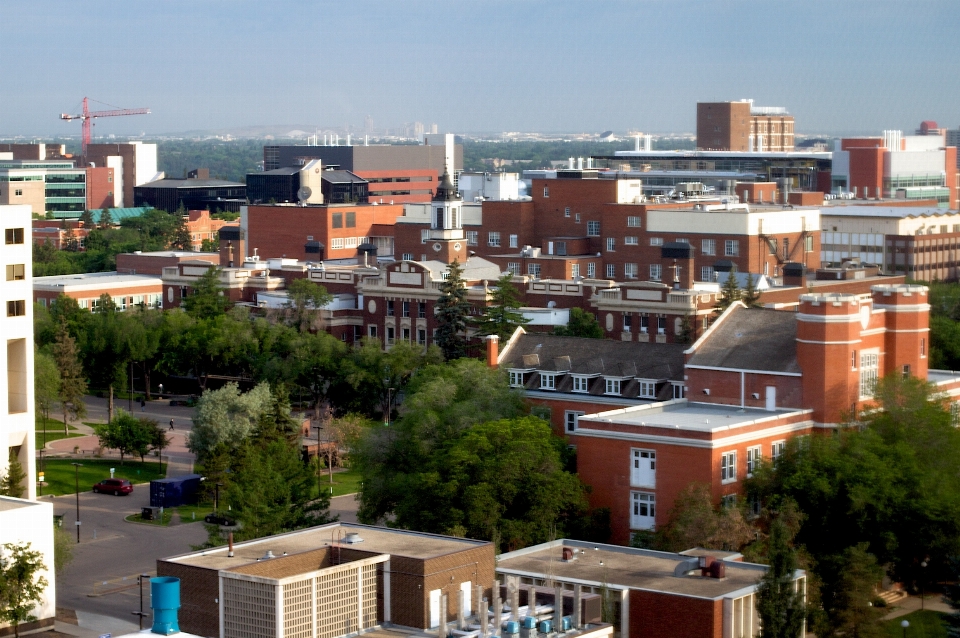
{"x": 923, "y": 577}
{"x": 216, "y": 498}
{"x": 387, "y": 417}
{"x": 40, "y": 482}
{"x": 904, "y": 624}
{"x": 160, "y": 396}
{"x": 141, "y": 613}
{"x": 76, "y": 483}
{"x": 319, "y": 487}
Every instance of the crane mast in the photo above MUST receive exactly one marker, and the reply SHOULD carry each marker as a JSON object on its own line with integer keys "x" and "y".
{"x": 86, "y": 121}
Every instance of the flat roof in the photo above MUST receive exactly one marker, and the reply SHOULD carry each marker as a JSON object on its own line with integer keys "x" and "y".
{"x": 378, "y": 540}
{"x": 685, "y": 415}
{"x": 8, "y": 503}
{"x": 896, "y": 212}
{"x": 95, "y": 279}
{"x": 190, "y": 183}
{"x": 173, "y": 253}
{"x": 626, "y": 567}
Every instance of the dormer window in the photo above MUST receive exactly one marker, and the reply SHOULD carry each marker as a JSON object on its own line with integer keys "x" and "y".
{"x": 648, "y": 389}
{"x": 516, "y": 378}
{"x": 612, "y": 385}
{"x": 548, "y": 381}
{"x": 581, "y": 383}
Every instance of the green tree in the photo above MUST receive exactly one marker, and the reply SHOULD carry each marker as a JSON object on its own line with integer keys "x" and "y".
{"x": 729, "y": 293}
{"x": 227, "y": 417}
{"x": 951, "y": 596}
{"x": 127, "y": 434}
{"x": 206, "y": 299}
{"x": 780, "y": 603}
{"x": 750, "y": 296}
{"x": 62, "y": 548}
{"x": 46, "y": 385}
{"x": 377, "y": 378}
{"x": 73, "y": 384}
{"x": 581, "y": 324}
{"x": 87, "y": 218}
{"x": 210, "y": 246}
{"x": 694, "y": 521}
{"x": 687, "y": 332}
{"x": 21, "y": 583}
{"x": 13, "y": 482}
{"x": 180, "y": 238}
{"x": 304, "y": 300}
{"x": 849, "y": 605}
{"x": 452, "y": 311}
{"x": 500, "y": 317}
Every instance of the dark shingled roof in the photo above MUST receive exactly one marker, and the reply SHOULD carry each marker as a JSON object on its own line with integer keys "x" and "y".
{"x": 662, "y": 362}
{"x": 751, "y": 339}
{"x": 341, "y": 177}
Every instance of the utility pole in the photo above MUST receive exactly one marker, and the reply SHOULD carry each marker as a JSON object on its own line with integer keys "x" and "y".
{"x": 76, "y": 482}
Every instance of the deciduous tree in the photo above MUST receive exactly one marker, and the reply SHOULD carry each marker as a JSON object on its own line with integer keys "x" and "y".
{"x": 226, "y": 416}
{"x": 21, "y": 583}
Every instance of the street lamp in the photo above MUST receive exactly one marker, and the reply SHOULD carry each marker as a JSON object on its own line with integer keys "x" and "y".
{"x": 40, "y": 482}
{"x": 387, "y": 417}
{"x": 141, "y": 613}
{"x": 216, "y": 498}
{"x": 905, "y": 624}
{"x": 923, "y": 577}
{"x": 160, "y": 396}
{"x": 319, "y": 487}
{"x": 76, "y": 483}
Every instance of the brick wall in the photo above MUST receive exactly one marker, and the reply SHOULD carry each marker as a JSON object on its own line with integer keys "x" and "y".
{"x": 199, "y": 590}
{"x": 661, "y": 615}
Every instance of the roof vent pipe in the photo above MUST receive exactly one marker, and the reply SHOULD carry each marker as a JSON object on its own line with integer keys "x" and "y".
{"x": 165, "y": 601}
{"x": 570, "y": 160}
{"x": 637, "y": 147}
{"x": 579, "y": 163}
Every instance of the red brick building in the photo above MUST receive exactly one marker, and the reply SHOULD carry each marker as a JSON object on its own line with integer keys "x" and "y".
{"x": 202, "y": 227}
{"x": 238, "y": 284}
{"x": 153, "y": 263}
{"x": 127, "y": 290}
{"x": 100, "y": 188}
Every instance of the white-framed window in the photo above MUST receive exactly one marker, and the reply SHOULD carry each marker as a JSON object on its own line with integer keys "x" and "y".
{"x": 682, "y": 240}
{"x": 493, "y": 239}
{"x": 514, "y": 267}
{"x": 424, "y": 235}
{"x": 591, "y": 270}
{"x": 336, "y": 243}
{"x": 643, "y": 468}
{"x": 421, "y": 337}
{"x": 869, "y": 372}
{"x": 753, "y": 459}
{"x": 391, "y": 335}
{"x": 776, "y": 450}
{"x": 706, "y": 273}
{"x": 611, "y": 271}
{"x": 661, "y": 325}
{"x": 514, "y": 242}
{"x": 593, "y": 229}
{"x": 516, "y": 379}
{"x": 612, "y": 386}
{"x": 581, "y": 384}
{"x": 679, "y": 391}
{"x": 570, "y": 419}
{"x": 731, "y": 247}
{"x": 655, "y": 272}
{"x": 574, "y": 271}
{"x": 630, "y": 271}
{"x": 533, "y": 270}
{"x": 546, "y": 191}
{"x": 566, "y": 212}
{"x": 630, "y": 240}
{"x": 656, "y": 241}
{"x": 642, "y": 510}
{"x": 407, "y": 256}
{"x": 728, "y": 467}
{"x": 633, "y": 221}
{"x": 644, "y": 324}
{"x": 576, "y": 217}
{"x": 648, "y": 390}
{"x": 473, "y": 237}
{"x": 350, "y": 242}
{"x": 548, "y": 381}
{"x": 627, "y": 322}
{"x": 708, "y": 246}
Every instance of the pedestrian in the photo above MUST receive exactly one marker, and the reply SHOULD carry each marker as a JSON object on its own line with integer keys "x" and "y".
{"x": 143, "y": 404}
{"x": 171, "y": 424}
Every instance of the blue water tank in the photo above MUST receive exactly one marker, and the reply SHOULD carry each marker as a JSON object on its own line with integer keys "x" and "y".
{"x": 511, "y": 627}
{"x": 528, "y": 622}
{"x": 546, "y": 626}
{"x": 165, "y": 601}
{"x": 566, "y": 623}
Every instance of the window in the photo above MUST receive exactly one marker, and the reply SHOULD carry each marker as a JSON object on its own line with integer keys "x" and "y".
{"x": 513, "y": 241}
{"x": 391, "y": 335}
{"x": 516, "y": 379}
{"x": 407, "y": 256}
{"x": 580, "y": 384}
{"x": 682, "y": 240}
{"x": 731, "y": 248}
{"x": 566, "y": 212}
{"x": 533, "y": 270}
{"x": 337, "y": 220}
{"x": 906, "y": 371}
{"x": 661, "y": 325}
{"x": 422, "y": 310}
{"x": 656, "y": 241}
{"x": 351, "y": 220}
{"x": 390, "y": 312}
{"x": 611, "y": 243}
{"x": 561, "y": 247}
{"x": 576, "y": 217}
{"x": 421, "y": 337}
{"x": 627, "y": 322}
{"x": 16, "y": 308}
{"x": 630, "y": 240}
{"x": 772, "y": 244}
{"x": 633, "y": 222}
{"x": 869, "y": 364}
{"x": 728, "y": 467}
{"x": 405, "y": 309}
{"x": 728, "y": 501}
{"x": 591, "y": 270}
{"x": 678, "y": 391}
{"x": 13, "y": 235}
{"x": 648, "y": 389}
{"x": 15, "y": 272}
{"x": 548, "y": 381}
{"x": 644, "y": 324}
{"x": 493, "y": 239}
{"x": 808, "y": 243}
{"x": 643, "y": 513}
{"x": 786, "y": 248}
{"x": 424, "y": 235}
{"x": 611, "y": 271}
{"x": 708, "y": 246}
{"x": 514, "y": 267}
{"x": 570, "y": 418}
{"x": 612, "y": 386}
{"x": 655, "y": 271}
{"x": 776, "y": 450}
{"x": 753, "y": 459}
{"x": 923, "y": 348}
{"x": 575, "y": 271}
{"x": 853, "y": 360}
{"x": 630, "y": 271}
{"x": 546, "y": 191}
{"x": 406, "y": 334}
{"x": 336, "y": 243}
{"x": 593, "y": 229}
{"x": 472, "y": 237}
{"x": 350, "y": 242}
{"x": 706, "y": 273}
{"x": 643, "y": 468}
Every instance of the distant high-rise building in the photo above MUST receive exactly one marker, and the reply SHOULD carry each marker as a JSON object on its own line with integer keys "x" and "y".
{"x": 368, "y": 125}
{"x": 434, "y": 129}
{"x": 134, "y": 163}
{"x": 418, "y": 130}
{"x": 742, "y": 126}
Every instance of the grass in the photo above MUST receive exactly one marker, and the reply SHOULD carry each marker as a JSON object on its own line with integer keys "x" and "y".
{"x": 345, "y": 482}
{"x": 53, "y": 431}
{"x": 188, "y": 514}
{"x": 923, "y": 624}
{"x": 59, "y": 473}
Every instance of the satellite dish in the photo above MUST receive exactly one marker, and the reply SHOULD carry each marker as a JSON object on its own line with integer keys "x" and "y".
{"x": 304, "y": 193}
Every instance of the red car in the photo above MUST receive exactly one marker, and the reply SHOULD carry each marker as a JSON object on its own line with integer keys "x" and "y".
{"x": 116, "y": 487}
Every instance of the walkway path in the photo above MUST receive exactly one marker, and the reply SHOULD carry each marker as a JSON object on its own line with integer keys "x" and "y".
{"x": 910, "y": 604}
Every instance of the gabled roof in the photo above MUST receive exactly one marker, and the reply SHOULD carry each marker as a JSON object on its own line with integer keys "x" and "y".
{"x": 750, "y": 339}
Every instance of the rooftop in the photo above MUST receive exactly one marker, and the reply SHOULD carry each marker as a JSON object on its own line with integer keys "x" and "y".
{"x": 684, "y": 415}
{"x": 189, "y": 254}
{"x": 750, "y": 339}
{"x": 625, "y": 567}
{"x": 95, "y": 279}
{"x": 8, "y": 503}
{"x": 895, "y": 212}
{"x": 190, "y": 183}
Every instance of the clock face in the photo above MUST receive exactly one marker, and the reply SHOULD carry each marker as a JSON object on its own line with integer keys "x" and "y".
{"x": 437, "y": 247}
{"x": 456, "y": 246}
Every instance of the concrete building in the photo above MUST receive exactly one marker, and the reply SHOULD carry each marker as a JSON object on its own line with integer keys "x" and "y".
{"x": 47, "y": 186}
{"x": 127, "y": 291}
{"x": 134, "y": 163}
{"x": 742, "y": 126}
{"x": 484, "y": 186}
{"x": 29, "y": 521}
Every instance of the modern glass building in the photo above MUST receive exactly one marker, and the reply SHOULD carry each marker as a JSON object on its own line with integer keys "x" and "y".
{"x": 49, "y": 186}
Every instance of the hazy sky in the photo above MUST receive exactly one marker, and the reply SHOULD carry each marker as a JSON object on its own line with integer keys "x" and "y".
{"x": 521, "y": 65}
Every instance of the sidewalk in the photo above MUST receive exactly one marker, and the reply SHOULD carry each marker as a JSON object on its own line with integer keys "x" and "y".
{"x": 910, "y": 604}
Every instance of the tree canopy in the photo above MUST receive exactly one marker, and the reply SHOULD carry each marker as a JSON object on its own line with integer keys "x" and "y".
{"x": 581, "y": 324}
{"x": 500, "y": 317}
{"x": 227, "y": 416}
{"x": 452, "y": 311}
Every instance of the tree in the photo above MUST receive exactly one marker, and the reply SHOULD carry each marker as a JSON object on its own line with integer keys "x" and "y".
{"x": 377, "y": 378}
{"x": 780, "y": 603}
{"x": 729, "y": 293}
{"x": 46, "y": 385}
{"x": 180, "y": 238}
{"x": 12, "y": 483}
{"x": 73, "y": 385}
{"x": 304, "y": 301}
{"x": 126, "y": 434}
{"x": 581, "y": 324}
{"x": 952, "y": 597}
{"x": 750, "y": 296}
{"x": 62, "y": 549}
{"x": 206, "y": 299}
{"x": 87, "y": 218}
{"x": 687, "y": 332}
{"x": 21, "y": 584}
{"x": 158, "y": 439}
{"x": 500, "y": 317}
{"x": 452, "y": 310}
{"x": 695, "y": 522}
{"x": 226, "y": 416}
{"x": 849, "y": 606}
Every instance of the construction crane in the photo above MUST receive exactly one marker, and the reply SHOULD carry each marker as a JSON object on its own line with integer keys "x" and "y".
{"x": 87, "y": 116}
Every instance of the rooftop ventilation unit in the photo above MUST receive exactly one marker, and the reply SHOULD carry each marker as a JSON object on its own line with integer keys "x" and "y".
{"x": 352, "y": 538}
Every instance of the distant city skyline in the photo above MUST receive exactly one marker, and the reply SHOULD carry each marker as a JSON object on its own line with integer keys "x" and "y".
{"x": 854, "y": 67}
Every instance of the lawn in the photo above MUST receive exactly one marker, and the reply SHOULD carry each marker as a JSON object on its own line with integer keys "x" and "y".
{"x": 53, "y": 430}
{"x": 923, "y": 624}
{"x": 345, "y": 482}
{"x": 188, "y": 514}
{"x": 59, "y": 473}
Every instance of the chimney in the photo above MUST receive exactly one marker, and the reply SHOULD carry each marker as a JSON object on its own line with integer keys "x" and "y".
{"x": 165, "y": 601}
{"x": 493, "y": 350}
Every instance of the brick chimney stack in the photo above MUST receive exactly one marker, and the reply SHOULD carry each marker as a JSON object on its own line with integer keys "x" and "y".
{"x": 493, "y": 350}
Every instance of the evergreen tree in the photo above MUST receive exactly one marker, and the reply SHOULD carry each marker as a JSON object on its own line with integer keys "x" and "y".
{"x": 73, "y": 384}
{"x": 779, "y": 604}
{"x": 501, "y": 317}
{"x": 87, "y": 218}
{"x": 11, "y": 483}
{"x": 180, "y": 240}
{"x": 206, "y": 300}
{"x": 849, "y": 607}
{"x": 581, "y": 324}
{"x": 729, "y": 293}
{"x": 105, "y": 220}
{"x": 21, "y": 585}
{"x": 750, "y": 296}
{"x": 687, "y": 333}
{"x": 452, "y": 312}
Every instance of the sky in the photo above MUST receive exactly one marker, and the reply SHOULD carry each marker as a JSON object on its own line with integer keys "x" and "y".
{"x": 839, "y": 66}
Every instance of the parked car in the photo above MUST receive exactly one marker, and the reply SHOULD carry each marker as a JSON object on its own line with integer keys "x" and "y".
{"x": 117, "y": 487}
{"x": 219, "y": 519}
